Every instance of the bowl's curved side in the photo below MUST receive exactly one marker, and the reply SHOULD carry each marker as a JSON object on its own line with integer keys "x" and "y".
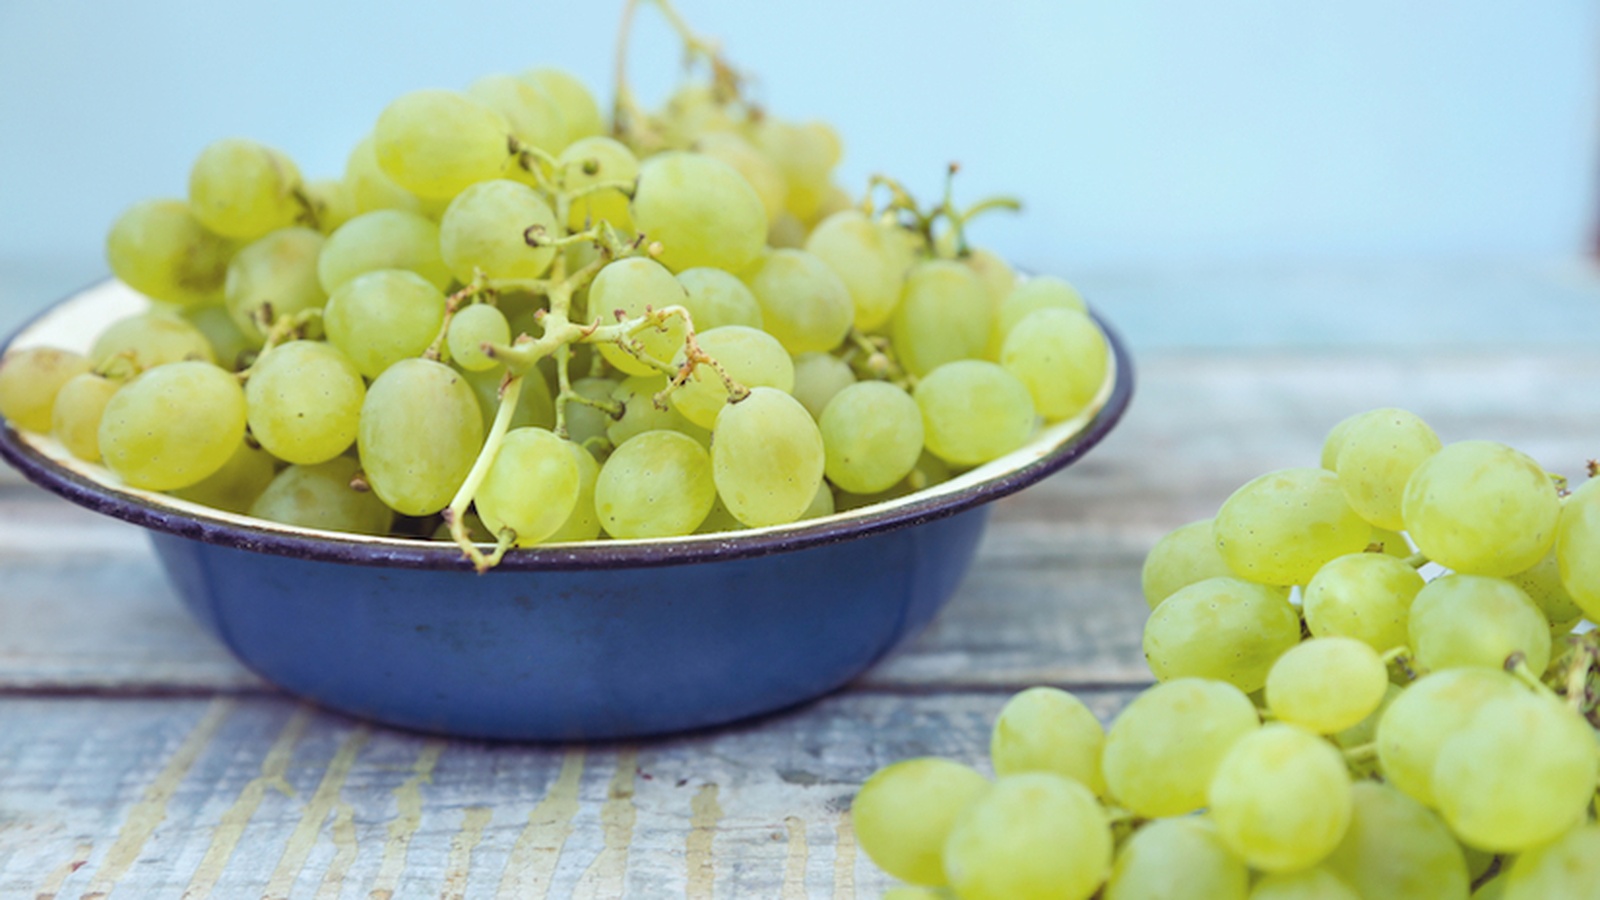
{"x": 575, "y": 655}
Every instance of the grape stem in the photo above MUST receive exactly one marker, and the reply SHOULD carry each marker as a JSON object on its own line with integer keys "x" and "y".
{"x": 452, "y": 305}
{"x": 456, "y": 513}
{"x": 1517, "y": 665}
{"x": 629, "y": 121}
{"x": 1361, "y": 753}
{"x": 1417, "y": 560}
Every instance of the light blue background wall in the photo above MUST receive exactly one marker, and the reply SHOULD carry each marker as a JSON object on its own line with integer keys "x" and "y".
{"x": 1140, "y": 133}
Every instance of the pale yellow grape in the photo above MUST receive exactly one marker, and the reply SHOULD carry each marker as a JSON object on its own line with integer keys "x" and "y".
{"x": 1177, "y": 859}
{"x": 241, "y": 189}
{"x": 532, "y": 487}
{"x": 1061, "y": 356}
{"x": 272, "y": 278}
{"x": 229, "y": 346}
{"x": 1568, "y": 868}
{"x": 383, "y": 317}
{"x": 583, "y": 523}
{"x": 149, "y": 339}
{"x": 470, "y": 329}
{"x": 869, "y": 257}
{"x": 1543, "y": 585}
{"x": 749, "y": 356}
{"x": 720, "y": 520}
{"x": 1307, "y": 884}
{"x": 637, "y": 394}
{"x": 1519, "y": 773}
{"x": 1366, "y": 596}
{"x": 656, "y": 484}
{"x": 434, "y": 143}
{"x": 1481, "y": 508}
{"x": 629, "y": 287}
{"x": 1043, "y": 729}
{"x": 803, "y": 303}
{"x": 1475, "y": 620}
{"x": 1033, "y": 836}
{"x": 420, "y": 432}
{"x": 1283, "y": 526}
{"x": 1028, "y": 297}
{"x": 715, "y": 298}
{"x": 372, "y": 189}
{"x": 1379, "y": 450}
{"x": 1183, "y": 556}
{"x": 1396, "y": 847}
{"x": 1366, "y": 730}
{"x": 973, "y": 411}
{"x": 320, "y": 496}
{"x": 75, "y": 415}
{"x": 756, "y": 168}
{"x": 382, "y": 239}
{"x": 159, "y": 248}
{"x": 701, "y": 210}
{"x": 1334, "y": 442}
{"x": 998, "y": 277}
{"x": 304, "y": 401}
{"x": 803, "y": 154}
{"x": 786, "y": 232}
{"x": 821, "y": 504}
{"x": 535, "y": 406}
{"x": 944, "y": 315}
{"x": 30, "y": 380}
{"x": 905, "y": 811}
{"x": 483, "y": 230}
{"x": 872, "y": 435}
{"x": 1578, "y": 550}
{"x": 333, "y": 203}
{"x": 172, "y": 426}
{"x": 1162, "y": 750}
{"x": 586, "y": 422}
{"x": 1223, "y": 628}
{"x": 1419, "y": 721}
{"x": 1390, "y": 542}
{"x": 1326, "y": 684}
{"x": 767, "y": 457}
{"x": 818, "y": 377}
{"x": 532, "y": 114}
{"x": 236, "y": 485}
{"x": 578, "y": 110}
{"x": 1281, "y": 798}
{"x": 598, "y": 160}
{"x": 693, "y": 109}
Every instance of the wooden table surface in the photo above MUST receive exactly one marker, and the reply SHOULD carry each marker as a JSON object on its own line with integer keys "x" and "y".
{"x": 138, "y": 760}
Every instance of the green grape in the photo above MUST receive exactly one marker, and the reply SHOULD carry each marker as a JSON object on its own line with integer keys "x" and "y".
{"x": 1309, "y": 884}
{"x": 657, "y": 484}
{"x": 535, "y": 406}
{"x": 1578, "y": 550}
{"x": 229, "y": 346}
{"x": 1542, "y": 584}
{"x": 785, "y": 232}
{"x": 1419, "y": 721}
{"x": 1028, "y": 297}
{"x": 420, "y": 433}
{"x": 905, "y": 812}
{"x": 720, "y": 520}
{"x": 151, "y": 339}
{"x": 1285, "y": 525}
{"x": 1395, "y": 847}
{"x": 701, "y": 210}
{"x": 973, "y": 411}
{"x": 1519, "y": 773}
{"x": 578, "y": 109}
{"x": 173, "y": 425}
{"x": 803, "y": 154}
{"x": 321, "y": 497}
{"x": 1568, "y": 868}
{"x": 597, "y": 160}
{"x": 1327, "y": 684}
{"x": 1334, "y": 442}
{"x": 1162, "y": 750}
{"x": 332, "y": 203}
{"x": 871, "y": 258}
{"x": 716, "y": 298}
{"x": 1183, "y": 556}
{"x": 767, "y": 457}
{"x": 383, "y": 317}
{"x": 1043, "y": 729}
{"x": 483, "y": 230}
{"x": 470, "y": 329}
{"x": 382, "y": 239}
{"x": 75, "y": 415}
{"x": 630, "y": 287}
{"x": 532, "y": 487}
{"x": 944, "y": 315}
{"x": 371, "y": 189}
{"x": 756, "y": 168}
{"x": 1366, "y": 732}
{"x": 640, "y": 413}
{"x": 1481, "y": 508}
{"x": 159, "y": 248}
{"x": 803, "y": 303}
{"x": 749, "y": 356}
{"x": 1475, "y": 620}
{"x": 436, "y": 143}
{"x": 273, "y": 277}
{"x": 1366, "y": 596}
{"x": 1034, "y": 836}
{"x": 304, "y": 401}
{"x": 583, "y": 523}
{"x": 30, "y": 380}
{"x": 1378, "y": 452}
{"x": 1281, "y": 798}
{"x": 693, "y": 109}
{"x": 532, "y": 114}
{"x": 818, "y": 377}
{"x": 586, "y": 422}
{"x": 241, "y": 189}
{"x": 1223, "y": 628}
{"x": 236, "y": 485}
{"x": 1177, "y": 859}
{"x": 872, "y": 436}
{"x": 821, "y": 504}
{"x": 1061, "y": 356}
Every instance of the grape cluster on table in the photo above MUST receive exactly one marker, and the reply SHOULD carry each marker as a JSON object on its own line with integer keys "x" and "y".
{"x": 1376, "y": 681}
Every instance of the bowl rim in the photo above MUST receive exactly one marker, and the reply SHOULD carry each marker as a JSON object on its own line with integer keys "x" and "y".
{"x": 220, "y": 528}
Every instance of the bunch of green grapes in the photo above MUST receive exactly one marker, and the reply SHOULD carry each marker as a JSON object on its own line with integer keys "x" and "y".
{"x": 1328, "y": 722}
{"x": 514, "y": 312}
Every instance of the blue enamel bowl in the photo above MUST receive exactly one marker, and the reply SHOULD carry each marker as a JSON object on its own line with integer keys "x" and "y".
{"x": 584, "y": 641}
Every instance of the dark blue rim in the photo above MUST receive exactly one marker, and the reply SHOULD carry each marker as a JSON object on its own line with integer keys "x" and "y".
{"x": 41, "y": 470}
